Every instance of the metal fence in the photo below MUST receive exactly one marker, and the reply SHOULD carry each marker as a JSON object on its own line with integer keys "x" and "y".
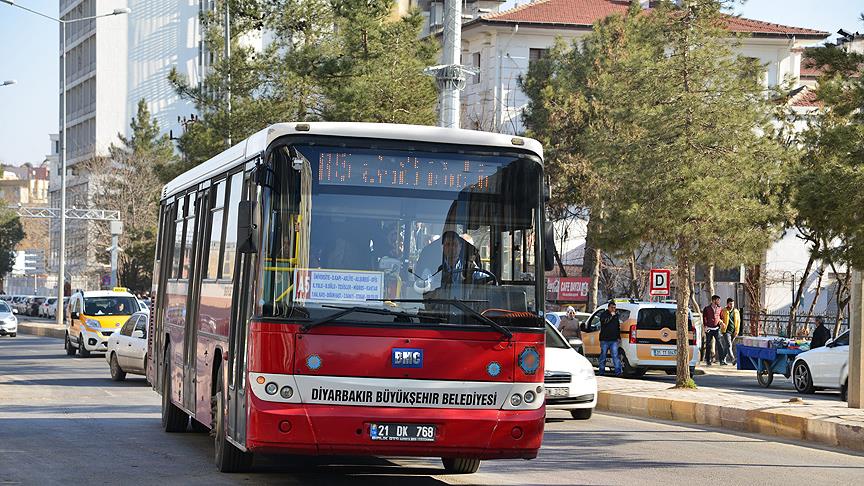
{"x": 776, "y": 323}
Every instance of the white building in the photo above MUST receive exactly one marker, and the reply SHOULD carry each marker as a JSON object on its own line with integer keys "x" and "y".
{"x": 112, "y": 63}
{"x": 503, "y": 44}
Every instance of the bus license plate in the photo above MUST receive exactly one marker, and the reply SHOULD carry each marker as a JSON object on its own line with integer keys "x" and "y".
{"x": 557, "y": 392}
{"x": 664, "y": 352}
{"x": 402, "y": 432}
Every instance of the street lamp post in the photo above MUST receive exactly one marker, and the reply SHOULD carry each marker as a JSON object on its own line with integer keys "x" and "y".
{"x": 61, "y": 271}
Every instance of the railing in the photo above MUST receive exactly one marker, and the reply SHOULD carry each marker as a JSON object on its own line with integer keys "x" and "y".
{"x": 776, "y": 324}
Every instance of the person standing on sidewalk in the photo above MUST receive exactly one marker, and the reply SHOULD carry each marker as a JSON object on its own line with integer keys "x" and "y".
{"x": 610, "y": 334}
{"x": 569, "y": 325}
{"x": 711, "y": 329}
{"x": 730, "y": 326}
{"x": 821, "y": 334}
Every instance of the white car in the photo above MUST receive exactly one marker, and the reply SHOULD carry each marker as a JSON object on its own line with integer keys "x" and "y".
{"x": 569, "y": 378}
{"x": 8, "y": 321}
{"x": 45, "y": 307}
{"x": 127, "y": 349}
{"x": 825, "y": 367}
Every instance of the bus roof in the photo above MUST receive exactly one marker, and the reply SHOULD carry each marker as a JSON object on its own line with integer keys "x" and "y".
{"x": 258, "y": 142}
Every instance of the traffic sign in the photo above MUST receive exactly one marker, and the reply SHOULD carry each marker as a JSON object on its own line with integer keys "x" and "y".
{"x": 659, "y": 285}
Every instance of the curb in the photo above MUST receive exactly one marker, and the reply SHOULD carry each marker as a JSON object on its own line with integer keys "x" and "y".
{"x": 786, "y": 425}
{"x": 45, "y": 331}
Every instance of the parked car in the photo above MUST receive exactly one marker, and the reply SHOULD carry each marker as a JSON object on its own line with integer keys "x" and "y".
{"x": 44, "y": 309}
{"x": 22, "y": 304}
{"x": 33, "y": 305}
{"x": 127, "y": 349}
{"x": 8, "y": 321}
{"x": 825, "y": 367}
{"x": 569, "y": 377}
{"x": 52, "y": 308}
{"x": 648, "y": 337}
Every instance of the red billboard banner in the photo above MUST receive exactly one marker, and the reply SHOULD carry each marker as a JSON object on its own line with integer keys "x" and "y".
{"x": 567, "y": 289}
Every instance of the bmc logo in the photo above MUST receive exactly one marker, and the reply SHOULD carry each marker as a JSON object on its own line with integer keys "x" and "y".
{"x": 407, "y": 358}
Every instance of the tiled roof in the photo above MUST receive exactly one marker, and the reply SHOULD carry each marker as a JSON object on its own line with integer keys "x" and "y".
{"x": 806, "y": 98}
{"x": 809, "y": 68}
{"x": 583, "y": 13}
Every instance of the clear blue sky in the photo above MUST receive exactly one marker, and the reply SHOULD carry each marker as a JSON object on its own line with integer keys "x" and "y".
{"x": 29, "y": 47}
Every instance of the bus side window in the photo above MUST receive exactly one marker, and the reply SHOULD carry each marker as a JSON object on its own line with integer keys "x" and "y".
{"x": 178, "y": 239}
{"x": 216, "y": 229}
{"x": 235, "y": 190}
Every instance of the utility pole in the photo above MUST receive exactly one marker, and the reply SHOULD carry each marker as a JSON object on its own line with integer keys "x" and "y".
{"x": 451, "y": 74}
{"x": 228, "y": 65}
{"x": 856, "y": 343}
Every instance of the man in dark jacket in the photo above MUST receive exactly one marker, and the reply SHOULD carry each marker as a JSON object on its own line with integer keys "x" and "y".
{"x": 610, "y": 334}
{"x": 821, "y": 334}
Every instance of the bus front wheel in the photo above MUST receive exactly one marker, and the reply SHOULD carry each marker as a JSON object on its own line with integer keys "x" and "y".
{"x": 228, "y": 457}
{"x": 460, "y": 465}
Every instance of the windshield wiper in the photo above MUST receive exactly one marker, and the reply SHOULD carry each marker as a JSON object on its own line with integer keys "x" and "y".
{"x": 349, "y": 310}
{"x": 461, "y": 305}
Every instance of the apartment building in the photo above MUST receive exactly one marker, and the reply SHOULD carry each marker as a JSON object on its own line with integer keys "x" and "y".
{"x": 111, "y": 64}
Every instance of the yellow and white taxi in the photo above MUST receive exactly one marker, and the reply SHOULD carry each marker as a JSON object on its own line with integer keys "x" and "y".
{"x": 93, "y": 316}
{"x": 648, "y": 337}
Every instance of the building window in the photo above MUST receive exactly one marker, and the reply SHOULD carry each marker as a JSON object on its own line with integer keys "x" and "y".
{"x": 537, "y": 54}
{"x": 475, "y": 62}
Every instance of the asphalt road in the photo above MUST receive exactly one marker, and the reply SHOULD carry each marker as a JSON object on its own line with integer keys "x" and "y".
{"x": 63, "y": 421}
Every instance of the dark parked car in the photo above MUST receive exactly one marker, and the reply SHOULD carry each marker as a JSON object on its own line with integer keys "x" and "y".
{"x": 33, "y": 305}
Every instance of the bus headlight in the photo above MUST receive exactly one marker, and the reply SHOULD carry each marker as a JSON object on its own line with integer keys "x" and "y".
{"x": 271, "y": 388}
{"x": 516, "y": 400}
{"x": 530, "y": 396}
{"x": 287, "y": 392}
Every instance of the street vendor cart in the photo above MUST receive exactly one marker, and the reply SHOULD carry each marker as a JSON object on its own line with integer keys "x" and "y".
{"x": 766, "y": 361}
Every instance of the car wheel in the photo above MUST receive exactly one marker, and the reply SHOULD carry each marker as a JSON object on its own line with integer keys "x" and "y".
{"x": 630, "y": 371}
{"x": 844, "y": 391}
{"x": 173, "y": 419}
{"x": 13, "y": 334}
{"x": 228, "y": 457}
{"x": 460, "y": 465}
{"x": 581, "y": 413}
{"x": 70, "y": 350}
{"x": 82, "y": 351}
{"x": 802, "y": 378}
{"x": 117, "y": 374}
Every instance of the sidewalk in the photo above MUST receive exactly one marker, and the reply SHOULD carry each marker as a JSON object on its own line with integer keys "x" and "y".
{"x": 821, "y": 418}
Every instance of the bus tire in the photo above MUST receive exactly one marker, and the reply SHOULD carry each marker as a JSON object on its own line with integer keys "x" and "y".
{"x": 82, "y": 351}
{"x": 117, "y": 373}
{"x": 460, "y": 465}
{"x": 70, "y": 350}
{"x": 228, "y": 457}
{"x": 173, "y": 419}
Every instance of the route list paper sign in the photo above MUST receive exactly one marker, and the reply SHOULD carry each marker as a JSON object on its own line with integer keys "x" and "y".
{"x": 340, "y": 286}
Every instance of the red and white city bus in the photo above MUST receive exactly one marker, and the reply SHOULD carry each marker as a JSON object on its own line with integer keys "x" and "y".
{"x": 352, "y": 288}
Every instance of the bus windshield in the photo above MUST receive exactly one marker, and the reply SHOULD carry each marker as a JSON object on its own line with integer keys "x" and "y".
{"x": 401, "y": 229}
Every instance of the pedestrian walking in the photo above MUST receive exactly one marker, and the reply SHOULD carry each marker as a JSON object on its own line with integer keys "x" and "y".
{"x": 610, "y": 334}
{"x": 821, "y": 334}
{"x": 569, "y": 325}
{"x": 711, "y": 329}
{"x": 730, "y": 320}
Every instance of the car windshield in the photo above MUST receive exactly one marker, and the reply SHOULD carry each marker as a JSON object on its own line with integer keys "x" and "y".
{"x": 110, "y": 306}
{"x": 4, "y": 307}
{"x": 553, "y": 339}
{"x": 360, "y": 226}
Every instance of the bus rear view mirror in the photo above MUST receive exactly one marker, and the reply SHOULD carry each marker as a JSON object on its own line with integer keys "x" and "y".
{"x": 247, "y": 241}
{"x": 549, "y": 246}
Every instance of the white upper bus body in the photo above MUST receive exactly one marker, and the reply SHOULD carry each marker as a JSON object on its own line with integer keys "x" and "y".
{"x": 258, "y": 142}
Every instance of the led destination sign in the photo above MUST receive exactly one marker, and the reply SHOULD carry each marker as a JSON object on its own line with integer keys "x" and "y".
{"x": 399, "y": 171}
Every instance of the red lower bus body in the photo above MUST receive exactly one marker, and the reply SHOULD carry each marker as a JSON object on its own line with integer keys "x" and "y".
{"x": 365, "y": 352}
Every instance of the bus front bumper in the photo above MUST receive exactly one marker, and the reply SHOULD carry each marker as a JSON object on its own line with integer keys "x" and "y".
{"x": 344, "y": 430}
